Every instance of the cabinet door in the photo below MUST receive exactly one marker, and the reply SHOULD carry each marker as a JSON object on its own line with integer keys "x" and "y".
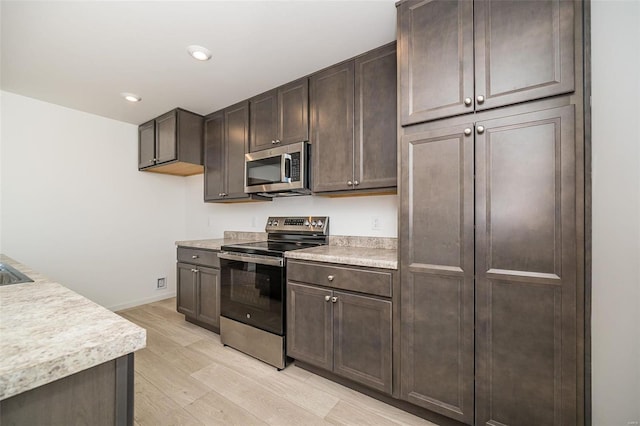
{"x": 309, "y": 325}
{"x": 331, "y": 97}
{"x": 146, "y": 144}
{"x": 293, "y": 112}
{"x": 236, "y": 122}
{"x": 526, "y": 267}
{"x": 264, "y": 120}
{"x": 524, "y": 50}
{"x": 437, "y": 288}
{"x": 166, "y": 148}
{"x": 214, "y": 157}
{"x": 362, "y": 340}
{"x": 435, "y": 50}
{"x": 375, "y": 119}
{"x": 208, "y": 301}
{"x": 187, "y": 289}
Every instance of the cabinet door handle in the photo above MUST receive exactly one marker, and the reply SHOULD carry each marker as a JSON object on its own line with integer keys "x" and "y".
{"x": 195, "y": 256}
{"x": 334, "y": 299}
{"x": 194, "y": 270}
{"x": 327, "y": 298}
{"x": 273, "y": 142}
{"x": 467, "y": 131}
{"x": 330, "y": 277}
{"x": 467, "y": 101}
{"x": 480, "y": 129}
{"x": 277, "y": 141}
{"x": 349, "y": 183}
{"x": 356, "y": 182}
{"x": 480, "y": 99}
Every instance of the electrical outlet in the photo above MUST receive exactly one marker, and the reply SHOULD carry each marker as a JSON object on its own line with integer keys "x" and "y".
{"x": 161, "y": 283}
{"x": 376, "y": 224}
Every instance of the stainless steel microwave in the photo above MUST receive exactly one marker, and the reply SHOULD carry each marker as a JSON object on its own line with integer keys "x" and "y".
{"x": 279, "y": 171}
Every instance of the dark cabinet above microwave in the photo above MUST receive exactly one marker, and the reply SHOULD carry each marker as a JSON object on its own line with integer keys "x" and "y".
{"x": 280, "y": 116}
{"x": 172, "y": 144}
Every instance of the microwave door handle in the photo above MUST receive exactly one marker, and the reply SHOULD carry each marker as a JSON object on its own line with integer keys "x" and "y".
{"x": 285, "y": 169}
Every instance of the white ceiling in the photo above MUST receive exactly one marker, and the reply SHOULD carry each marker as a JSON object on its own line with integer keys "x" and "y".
{"x": 83, "y": 54}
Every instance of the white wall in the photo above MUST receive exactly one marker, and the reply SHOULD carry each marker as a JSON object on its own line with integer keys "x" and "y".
{"x": 348, "y": 215}
{"x": 616, "y": 212}
{"x": 75, "y": 207}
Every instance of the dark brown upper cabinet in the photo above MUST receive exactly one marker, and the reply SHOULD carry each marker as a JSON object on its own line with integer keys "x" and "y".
{"x": 520, "y": 50}
{"x": 172, "y": 144}
{"x": 226, "y": 140}
{"x": 353, "y": 124}
{"x": 280, "y": 116}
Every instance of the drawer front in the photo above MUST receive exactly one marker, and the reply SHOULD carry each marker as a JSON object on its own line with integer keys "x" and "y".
{"x": 361, "y": 280}
{"x": 198, "y": 257}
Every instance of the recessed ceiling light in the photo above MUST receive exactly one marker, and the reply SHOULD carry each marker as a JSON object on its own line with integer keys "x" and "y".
{"x": 131, "y": 97}
{"x": 198, "y": 52}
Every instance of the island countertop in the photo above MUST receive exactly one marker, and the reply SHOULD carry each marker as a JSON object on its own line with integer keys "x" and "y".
{"x": 48, "y": 332}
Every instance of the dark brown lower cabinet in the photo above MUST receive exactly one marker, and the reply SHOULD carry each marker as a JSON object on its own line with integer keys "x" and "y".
{"x": 437, "y": 289}
{"x": 346, "y": 333}
{"x": 513, "y": 278}
{"x": 101, "y": 396}
{"x": 198, "y": 288}
{"x": 526, "y": 266}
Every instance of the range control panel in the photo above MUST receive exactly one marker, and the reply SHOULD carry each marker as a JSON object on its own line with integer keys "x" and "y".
{"x": 298, "y": 224}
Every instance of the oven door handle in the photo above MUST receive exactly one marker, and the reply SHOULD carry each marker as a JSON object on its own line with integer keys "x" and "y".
{"x": 252, "y": 258}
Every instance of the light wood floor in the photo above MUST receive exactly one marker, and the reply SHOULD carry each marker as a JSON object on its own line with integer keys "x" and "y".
{"x": 186, "y": 377}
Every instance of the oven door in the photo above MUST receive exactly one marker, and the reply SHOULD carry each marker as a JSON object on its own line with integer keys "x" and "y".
{"x": 252, "y": 290}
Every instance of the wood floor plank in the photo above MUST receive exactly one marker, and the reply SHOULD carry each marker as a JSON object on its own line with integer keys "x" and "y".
{"x": 346, "y": 414}
{"x": 365, "y": 402}
{"x": 232, "y": 358}
{"x": 152, "y": 407}
{"x": 297, "y": 391}
{"x": 256, "y": 398}
{"x": 215, "y": 409}
{"x": 172, "y": 330}
{"x": 172, "y": 380}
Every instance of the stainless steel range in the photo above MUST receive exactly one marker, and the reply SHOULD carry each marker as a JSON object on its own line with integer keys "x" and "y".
{"x": 253, "y": 279}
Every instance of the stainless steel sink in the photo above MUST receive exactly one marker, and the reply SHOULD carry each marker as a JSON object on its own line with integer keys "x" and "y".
{"x": 9, "y": 275}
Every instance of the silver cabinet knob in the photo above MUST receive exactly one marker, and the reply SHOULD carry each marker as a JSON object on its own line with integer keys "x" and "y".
{"x": 195, "y": 256}
{"x": 480, "y": 99}
{"x": 480, "y": 129}
{"x": 330, "y": 277}
{"x": 467, "y": 131}
{"x": 194, "y": 270}
{"x": 467, "y": 101}
{"x": 278, "y": 141}
{"x": 349, "y": 183}
{"x": 356, "y": 183}
{"x": 327, "y": 298}
{"x": 273, "y": 142}
{"x": 334, "y": 299}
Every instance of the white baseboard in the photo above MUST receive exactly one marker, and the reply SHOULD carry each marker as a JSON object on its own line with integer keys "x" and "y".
{"x": 141, "y": 302}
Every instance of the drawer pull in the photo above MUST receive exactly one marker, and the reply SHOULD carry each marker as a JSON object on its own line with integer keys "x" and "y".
{"x": 327, "y": 298}
{"x": 330, "y": 277}
{"x": 195, "y": 256}
{"x": 334, "y": 299}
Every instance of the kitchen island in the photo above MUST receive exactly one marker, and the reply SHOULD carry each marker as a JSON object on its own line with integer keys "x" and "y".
{"x": 63, "y": 358}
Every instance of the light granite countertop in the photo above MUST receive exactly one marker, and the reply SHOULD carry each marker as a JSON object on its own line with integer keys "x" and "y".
{"x": 373, "y": 252}
{"x": 48, "y": 332}
{"x": 347, "y": 255}
{"x": 230, "y": 237}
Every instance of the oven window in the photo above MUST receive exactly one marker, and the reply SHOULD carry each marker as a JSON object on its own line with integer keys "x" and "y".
{"x": 253, "y": 294}
{"x": 250, "y": 288}
{"x": 265, "y": 171}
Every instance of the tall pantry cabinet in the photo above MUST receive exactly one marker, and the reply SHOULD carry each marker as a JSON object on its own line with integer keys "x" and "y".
{"x": 492, "y": 210}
